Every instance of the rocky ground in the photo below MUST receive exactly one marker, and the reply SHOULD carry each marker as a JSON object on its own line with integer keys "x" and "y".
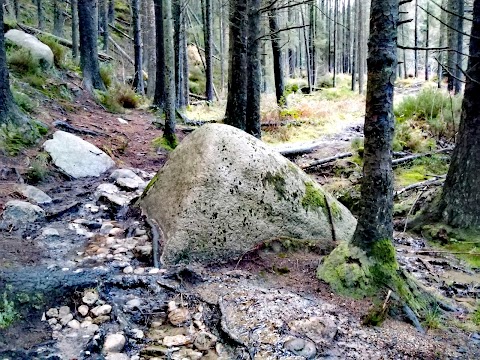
{"x": 84, "y": 286}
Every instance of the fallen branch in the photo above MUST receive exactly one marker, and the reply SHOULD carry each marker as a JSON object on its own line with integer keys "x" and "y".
{"x": 62, "y": 125}
{"x": 120, "y": 32}
{"x": 198, "y": 97}
{"x": 423, "y": 184}
{"x": 123, "y": 52}
{"x": 61, "y": 41}
{"x": 409, "y": 158}
{"x": 326, "y": 160}
{"x": 299, "y": 150}
{"x": 446, "y": 252}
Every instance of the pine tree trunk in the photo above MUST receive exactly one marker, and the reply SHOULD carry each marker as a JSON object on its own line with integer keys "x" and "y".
{"x": 169, "y": 73}
{"x": 111, "y": 11}
{"x": 335, "y": 27}
{"x": 138, "y": 50}
{"x": 88, "y": 45}
{"x": 375, "y": 223}
{"x": 441, "y": 43}
{"x": 460, "y": 202}
{"x": 452, "y": 43}
{"x": 354, "y": 33}
{"x": 415, "y": 52}
{"x": 103, "y": 21}
{"x": 254, "y": 71}
{"x": 149, "y": 28}
{"x": 40, "y": 16}
{"x": 180, "y": 51}
{"x": 58, "y": 18}
{"x": 235, "y": 114}
{"x": 459, "y": 48}
{"x": 277, "y": 57}
{"x": 427, "y": 43}
{"x": 8, "y": 110}
{"x": 159, "y": 99}
{"x": 75, "y": 36}
{"x": 208, "y": 36}
{"x": 361, "y": 47}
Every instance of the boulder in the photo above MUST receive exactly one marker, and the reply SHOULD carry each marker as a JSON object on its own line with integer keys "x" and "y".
{"x": 38, "y": 49}
{"x": 21, "y": 212}
{"x": 222, "y": 192}
{"x": 77, "y": 157}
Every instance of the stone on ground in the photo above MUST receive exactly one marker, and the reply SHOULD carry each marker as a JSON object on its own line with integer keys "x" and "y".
{"x": 222, "y": 192}
{"x": 18, "y": 213}
{"x": 34, "y": 194}
{"x": 38, "y": 49}
{"x": 77, "y": 157}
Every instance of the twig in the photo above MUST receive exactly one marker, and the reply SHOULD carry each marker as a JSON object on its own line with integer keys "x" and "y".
{"x": 326, "y": 160}
{"x": 426, "y": 183}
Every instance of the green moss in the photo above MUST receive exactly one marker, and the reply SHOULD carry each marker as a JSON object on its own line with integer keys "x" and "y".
{"x": 385, "y": 266}
{"x": 314, "y": 198}
{"x": 278, "y": 182}
{"x": 14, "y": 138}
{"x": 59, "y": 51}
{"x": 165, "y": 143}
{"x": 335, "y": 210}
{"x": 476, "y": 316}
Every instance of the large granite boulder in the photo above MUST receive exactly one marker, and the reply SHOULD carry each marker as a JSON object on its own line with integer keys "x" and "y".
{"x": 38, "y": 49}
{"x": 222, "y": 192}
{"x": 18, "y": 213}
{"x": 77, "y": 157}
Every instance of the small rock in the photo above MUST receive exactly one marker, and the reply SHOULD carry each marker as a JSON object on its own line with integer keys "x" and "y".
{"x": 128, "y": 184}
{"x": 301, "y": 347}
{"x": 52, "y": 321}
{"x": 117, "y": 356}
{"x": 18, "y": 212}
{"x": 137, "y": 334}
{"x": 187, "y": 354}
{"x": 64, "y": 310}
{"x": 134, "y": 303}
{"x": 179, "y": 316}
{"x": 101, "y": 319}
{"x": 56, "y": 327}
{"x": 94, "y": 209}
{"x": 107, "y": 188}
{"x": 205, "y": 341}
{"x": 123, "y": 173}
{"x": 176, "y": 340}
{"x": 64, "y": 320}
{"x": 50, "y": 232}
{"x": 115, "y": 199}
{"x": 128, "y": 270}
{"x": 153, "y": 271}
{"x": 140, "y": 232}
{"x": 116, "y": 232}
{"x": 74, "y": 324}
{"x": 172, "y": 305}
{"x": 90, "y": 297}
{"x": 114, "y": 343}
{"x": 52, "y": 312}
{"x": 101, "y": 310}
{"x": 105, "y": 229}
{"x": 122, "y": 121}
{"x": 83, "y": 310}
{"x": 139, "y": 271}
{"x": 143, "y": 251}
{"x": 34, "y": 194}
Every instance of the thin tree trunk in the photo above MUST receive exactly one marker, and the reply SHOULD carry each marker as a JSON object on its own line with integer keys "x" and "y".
{"x": 459, "y": 48}
{"x": 441, "y": 43}
{"x": 253, "y": 126}
{"x": 361, "y": 46}
{"x": 103, "y": 21}
{"x": 88, "y": 45}
{"x": 40, "y": 16}
{"x": 111, "y": 11}
{"x": 452, "y": 43}
{"x": 208, "y": 36}
{"x": 335, "y": 27}
{"x": 159, "y": 99}
{"x": 222, "y": 45}
{"x": 415, "y": 54}
{"x": 58, "y": 18}
{"x": 354, "y": 33}
{"x": 137, "y": 41}
{"x": 277, "y": 57}
{"x": 75, "y": 35}
{"x": 235, "y": 114}
{"x": 169, "y": 73}
{"x": 427, "y": 42}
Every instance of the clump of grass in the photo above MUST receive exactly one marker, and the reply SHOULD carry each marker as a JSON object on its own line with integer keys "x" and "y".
{"x": 118, "y": 98}
{"x": 23, "y": 101}
{"x": 14, "y": 138}
{"x": 432, "y": 112}
{"x": 197, "y": 80}
{"x": 433, "y": 317}
{"x": 8, "y": 314}
{"x": 58, "y": 50}
{"x": 22, "y": 61}
{"x": 358, "y": 146}
{"x": 476, "y": 316}
{"x": 38, "y": 170}
{"x": 107, "y": 74}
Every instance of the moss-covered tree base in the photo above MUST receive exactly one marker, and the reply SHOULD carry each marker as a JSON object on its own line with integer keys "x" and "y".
{"x": 351, "y": 272}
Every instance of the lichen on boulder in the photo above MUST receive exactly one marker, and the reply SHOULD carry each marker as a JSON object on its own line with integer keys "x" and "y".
{"x": 222, "y": 192}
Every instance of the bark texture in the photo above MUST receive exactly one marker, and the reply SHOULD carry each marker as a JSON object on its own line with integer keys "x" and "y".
{"x": 137, "y": 43}
{"x": 460, "y": 201}
{"x": 88, "y": 45}
{"x": 208, "y": 35}
{"x": 58, "y": 18}
{"x": 75, "y": 36}
{"x": 169, "y": 74}
{"x": 237, "y": 81}
{"x": 375, "y": 223}
{"x": 254, "y": 71}
{"x": 277, "y": 57}
{"x": 159, "y": 99}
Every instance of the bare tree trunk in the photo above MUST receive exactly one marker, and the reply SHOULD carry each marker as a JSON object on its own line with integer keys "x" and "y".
{"x": 277, "y": 57}
{"x": 111, "y": 11}
{"x": 459, "y": 48}
{"x": 137, "y": 40}
{"x": 40, "y": 16}
{"x": 149, "y": 45}
{"x": 58, "y": 18}
{"x": 88, "y": 45}
{"x": 159, "y": 99}
{"x": 354, "y": 33}
{"x": 427, "y": 42}
{"x": 75, "y": 36}
{"x": 361, "y": 47}
{"x": 254, "y": 71}
{"x": 452, "y": 43}
{"x": 441, "y": 43}
{"x": 169, "y": 74}
{"x": 179, "y": 9}
{"x": 237, "y": 83}
{"x": 415, "y": 54}
{"x": 335, "y": 27}
{"x": 208, "y": 36}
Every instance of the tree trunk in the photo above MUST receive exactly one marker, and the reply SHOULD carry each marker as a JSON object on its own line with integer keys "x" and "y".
{"x": 459, "y": 48}
{"x": 169, "y": 74}
{"x": 375, "y": 223}
{"x": 361, "y": 47}
{"x": 460, "y": 202}
{"x": 75, "y": 35}
{"x": 235, "y": 114}
{"x": 58, "y": 18}
{"x": 149, "y": 45}
{"x": 452, "y": 43}
{"x": 354, "y": 48}
{"x": 103, "y": 22}
{"x": 335, "y": 27}
{"x": 159, "y": 99}
{"x": 137, "y": 41}
{"x": 415, "y": 36}
{"x": 441, "y": 43}
{"x": 40, "y": 16}
{"x": 254, "y": 71}
{"x": 88, "y": 45}
{"x": 208, "y": 36}
{"x": 111, "y": 11}
{"x": 427, "y": 42}
{"x": 181, "y": 60}
{"x": 277, "y": 57}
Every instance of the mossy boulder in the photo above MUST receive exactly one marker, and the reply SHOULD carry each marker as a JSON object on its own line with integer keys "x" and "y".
{"x": 38, "y": 49}
{"x": 222, "y": 192}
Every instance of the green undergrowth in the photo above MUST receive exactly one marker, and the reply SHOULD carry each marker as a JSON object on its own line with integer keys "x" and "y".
{"x": 430, "y": 115}
{"x": 165, "y": 143}
{"x": 460, "y": 242}
{"x": 59, "y": 51}
{"x": 421, "y": 169}
{"x": 38, "y": 170}
{"x": 14, "y": 138}
{"x": 8, "y": 313}
{"x": 119, "y": 97}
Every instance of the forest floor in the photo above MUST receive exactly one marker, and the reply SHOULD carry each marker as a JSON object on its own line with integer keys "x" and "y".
{"x": 128, "y": 138}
